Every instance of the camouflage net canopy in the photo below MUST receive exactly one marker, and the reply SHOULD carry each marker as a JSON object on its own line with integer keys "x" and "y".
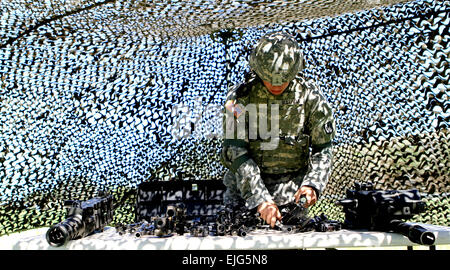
{"x": 88, "y": 91}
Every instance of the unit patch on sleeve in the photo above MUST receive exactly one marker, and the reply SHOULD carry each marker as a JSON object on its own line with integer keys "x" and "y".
{"x": 328, "y": 127}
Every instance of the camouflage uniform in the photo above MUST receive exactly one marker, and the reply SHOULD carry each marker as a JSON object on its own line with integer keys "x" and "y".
{"x": 303, "y": 156}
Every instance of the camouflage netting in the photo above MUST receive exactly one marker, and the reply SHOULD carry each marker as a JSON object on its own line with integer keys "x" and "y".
{"x": 88, "y": 91}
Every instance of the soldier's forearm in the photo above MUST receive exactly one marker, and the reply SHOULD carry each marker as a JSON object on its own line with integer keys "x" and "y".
{"x": 319, "y": 169}
{"x": 252, "y": 187}
{"x": 249, "y": 182}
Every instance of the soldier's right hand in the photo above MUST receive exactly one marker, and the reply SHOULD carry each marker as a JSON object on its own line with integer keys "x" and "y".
{"x": 269, "y": 212}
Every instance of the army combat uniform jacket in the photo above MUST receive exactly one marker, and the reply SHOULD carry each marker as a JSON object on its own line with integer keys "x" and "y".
{"x": 302, "y": 155}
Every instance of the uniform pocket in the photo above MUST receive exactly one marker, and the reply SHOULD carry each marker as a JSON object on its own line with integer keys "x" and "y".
{"x": 291, "y": 155}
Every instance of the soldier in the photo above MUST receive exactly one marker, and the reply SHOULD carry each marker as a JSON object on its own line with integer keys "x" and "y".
{"x": 301, "y": 161}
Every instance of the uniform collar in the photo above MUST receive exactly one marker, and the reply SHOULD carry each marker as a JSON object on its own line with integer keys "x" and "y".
{"x": 262, "y": 91}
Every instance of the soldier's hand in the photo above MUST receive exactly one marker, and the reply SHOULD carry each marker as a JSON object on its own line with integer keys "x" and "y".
{"x": 269, "y": 213}
{"x": 310, "y": 194}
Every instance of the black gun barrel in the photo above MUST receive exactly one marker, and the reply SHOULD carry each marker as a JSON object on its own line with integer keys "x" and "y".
{"x": 171, "y": 211}
{"x": 65, "y": 231}
{"x": 143, "y": 232}
{"x": 242, "y": 231}
{"x": 415, "y": 233}
{"x": 82, "y": 219}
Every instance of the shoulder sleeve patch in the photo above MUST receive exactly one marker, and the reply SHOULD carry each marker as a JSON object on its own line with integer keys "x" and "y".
{"x": 328, "y": 127}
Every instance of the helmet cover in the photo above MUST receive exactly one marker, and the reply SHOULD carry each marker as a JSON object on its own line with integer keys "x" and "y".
{"x": 277, "y": 58}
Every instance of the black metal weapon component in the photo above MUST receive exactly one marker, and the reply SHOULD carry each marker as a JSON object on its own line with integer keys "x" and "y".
{"x": 174, "y": 221}
{"x": 241, "y": 221}
{"x": 83, "y": 218}
{"x": 294, "y": 213}
{"x": 235, "y": 220}
{"x": 414, "y": 232}
{"x": 321, "y": 223}
{"x": 383, "y": 210}
{"x": 295, "y": 219}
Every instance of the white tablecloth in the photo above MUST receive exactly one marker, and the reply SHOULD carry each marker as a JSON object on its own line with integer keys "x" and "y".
{"x": 109, "y": 239}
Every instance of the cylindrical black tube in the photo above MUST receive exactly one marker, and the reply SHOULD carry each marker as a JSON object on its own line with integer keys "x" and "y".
{"x": 220, "y": 229}
{"x": 61, "y": 233}
{"x": 171, "y": 211}
{"x": 415, "y": 233}
{"x": 420, "y": 235}
{"x": 242, "y": 232}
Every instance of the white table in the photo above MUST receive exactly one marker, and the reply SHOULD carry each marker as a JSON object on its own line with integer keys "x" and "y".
{"x": 109, "y": 239}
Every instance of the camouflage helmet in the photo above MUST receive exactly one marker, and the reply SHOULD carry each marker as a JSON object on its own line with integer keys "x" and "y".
{"x": 277, "y": 58}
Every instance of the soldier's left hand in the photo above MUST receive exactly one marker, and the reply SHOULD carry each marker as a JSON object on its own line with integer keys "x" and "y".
{"x": 309, "y": 193}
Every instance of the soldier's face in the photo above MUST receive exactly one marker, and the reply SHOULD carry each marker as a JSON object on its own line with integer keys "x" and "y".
{"x": 275, "y": 90}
